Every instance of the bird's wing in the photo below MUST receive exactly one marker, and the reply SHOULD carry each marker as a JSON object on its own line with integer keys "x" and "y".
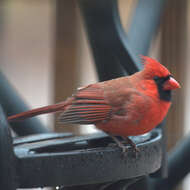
{"x": 88, "y": 107}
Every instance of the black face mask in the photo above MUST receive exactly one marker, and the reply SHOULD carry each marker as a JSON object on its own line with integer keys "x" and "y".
{"x": 164, "y": 94}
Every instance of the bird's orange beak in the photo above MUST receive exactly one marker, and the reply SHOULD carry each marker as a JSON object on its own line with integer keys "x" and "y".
{"x": 171, "y": 84}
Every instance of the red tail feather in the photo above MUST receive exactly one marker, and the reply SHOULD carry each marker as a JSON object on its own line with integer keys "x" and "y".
{"x": 37, "y": 111}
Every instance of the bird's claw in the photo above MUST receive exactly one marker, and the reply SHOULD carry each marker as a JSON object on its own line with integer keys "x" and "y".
{"x": 124, "y": 151}
{"x": 123, "y": 147}
{"x": 136, "y": 149}
{"x": 134, "y": 146}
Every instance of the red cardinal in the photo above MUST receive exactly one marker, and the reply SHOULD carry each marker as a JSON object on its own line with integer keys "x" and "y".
{"x": 125, "y": 106}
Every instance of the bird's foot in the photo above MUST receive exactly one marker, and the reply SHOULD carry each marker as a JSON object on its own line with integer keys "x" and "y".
{"x": 123, "y": 147}
{"x": 119, "y": 144}
{"x": 134, "y": 146}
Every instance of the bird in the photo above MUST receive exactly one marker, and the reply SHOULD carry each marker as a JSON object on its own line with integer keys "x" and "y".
{"x": 125, "y": 106}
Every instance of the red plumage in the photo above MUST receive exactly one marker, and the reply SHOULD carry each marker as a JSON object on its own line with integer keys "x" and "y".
{"x": 125, "y": 106}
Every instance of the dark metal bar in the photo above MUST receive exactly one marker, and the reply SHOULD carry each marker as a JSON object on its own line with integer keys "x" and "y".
{"x": 8, "y": 160}
{"x": 113, "y": 57}
{"x": 12, "y": 104}
{"x": 119, "y": 185}
{"x": 144, "y": 24}
{"x": 178, "y": 167}
{"x": 163, "y": 171}
{"x": 141, "y": 184}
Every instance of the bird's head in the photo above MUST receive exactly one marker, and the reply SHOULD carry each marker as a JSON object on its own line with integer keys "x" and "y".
{"x": 162, "y": 77}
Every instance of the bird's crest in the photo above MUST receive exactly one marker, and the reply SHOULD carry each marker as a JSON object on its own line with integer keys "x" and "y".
{"x": 153, "y": 67}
